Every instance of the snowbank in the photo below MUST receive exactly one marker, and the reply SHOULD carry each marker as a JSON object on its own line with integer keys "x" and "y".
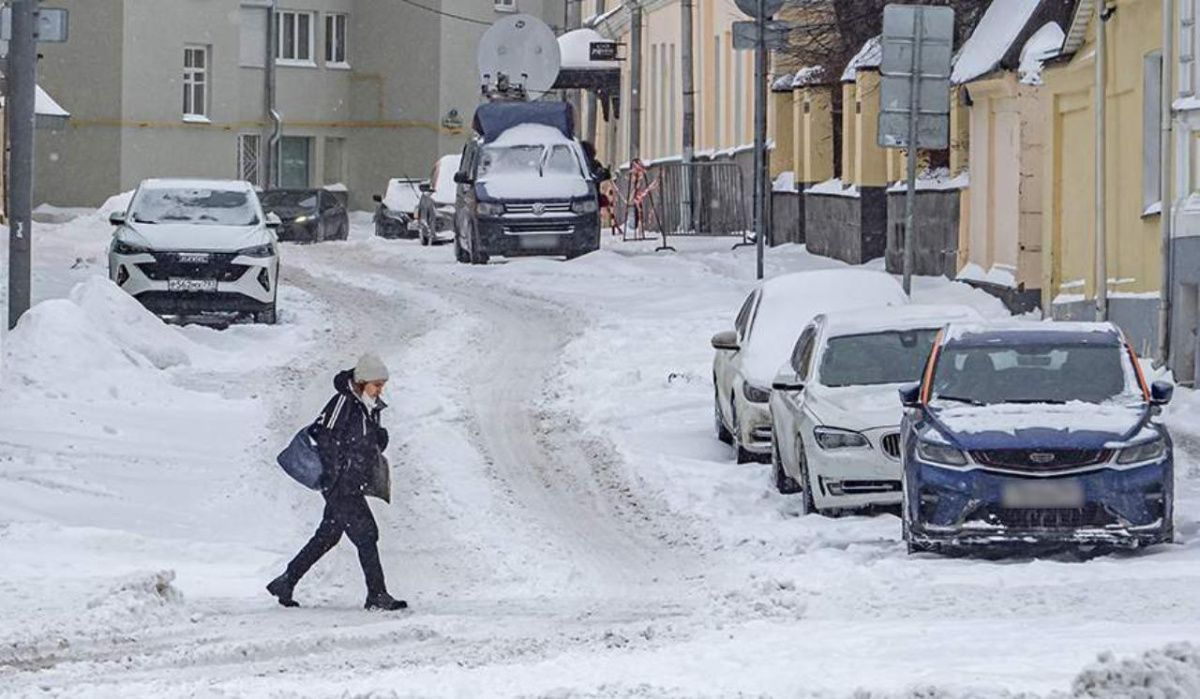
{"x": 993, "y": 37}
{"x": 786, "y": 182}
{"x": 1171, "y": 672}
{"x": 834, "y": 187}
{"x": 938, "y": 180}
{"x": 1041, "y": 47}
{"x": 998, "y": 275}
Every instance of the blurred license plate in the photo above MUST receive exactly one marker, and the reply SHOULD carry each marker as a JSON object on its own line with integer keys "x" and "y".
{"x": 538, "y": 242}
{"x": 191, "y": 285}
{"x": 194, "y": 258}
{"x": 1036, "y": 493}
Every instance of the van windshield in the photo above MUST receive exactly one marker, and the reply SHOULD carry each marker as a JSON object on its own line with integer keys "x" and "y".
{"x": 537, "y": 161}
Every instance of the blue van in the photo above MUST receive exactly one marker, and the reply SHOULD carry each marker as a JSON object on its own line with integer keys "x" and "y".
{"x": 1035, "y": 435}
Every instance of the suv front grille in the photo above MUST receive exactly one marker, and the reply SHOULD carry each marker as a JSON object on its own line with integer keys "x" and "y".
{"x": 173, "y": 265}
{"x": 555, "y": 208}
{"x": 1041, "y": 460}
{"x": 890, "y": 443}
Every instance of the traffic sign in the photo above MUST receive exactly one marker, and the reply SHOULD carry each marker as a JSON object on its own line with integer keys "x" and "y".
{"x": 917, "y": 48}
{"x": 745, "y": 35}
{"x": 52, "y": 25}
{"x": 750, "y": 7}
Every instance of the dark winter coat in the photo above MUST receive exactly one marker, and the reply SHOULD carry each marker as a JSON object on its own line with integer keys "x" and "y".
{"x": 350, "y": 440}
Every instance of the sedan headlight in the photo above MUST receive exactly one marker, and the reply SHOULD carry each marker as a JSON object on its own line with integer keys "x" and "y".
{"x": 754, "y": 394}
{"x": 490, "y": 208}
{"x": 942, "y": 454}
{"x": 264, "y": 250}
{"x": 1144, "y": 452}
{"x": 585, "y": 206}
{"x": 121, "y": 247}
{"x": 830, "y": 438}
{"x": 302, "y": 219}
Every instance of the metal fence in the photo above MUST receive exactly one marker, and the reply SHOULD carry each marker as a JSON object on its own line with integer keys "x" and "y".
{"x": 719, "y": 199}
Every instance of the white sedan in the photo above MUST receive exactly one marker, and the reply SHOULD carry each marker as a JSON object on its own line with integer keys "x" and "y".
{"x": 835, "y": 409}
{"x": 765, "y": 331}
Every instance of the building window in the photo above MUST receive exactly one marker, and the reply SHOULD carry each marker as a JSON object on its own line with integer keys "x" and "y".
{"x": 1152, "y": 74}
{"x": 195, "y": 82}
{"x": 335, "y": 39}
{"x": 248, "y": 155}
{"x": 295, "y": 160}
{"x": 252, "y": 30}
{"x": 506, "y": 5}
{"x": 295, "y": 37}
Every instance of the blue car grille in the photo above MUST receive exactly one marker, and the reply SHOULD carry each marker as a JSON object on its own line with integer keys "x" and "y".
{"x": 1041, "y": 460}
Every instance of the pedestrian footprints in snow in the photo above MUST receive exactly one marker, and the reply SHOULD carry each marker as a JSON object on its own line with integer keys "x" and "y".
{"x": 348, "y": 442}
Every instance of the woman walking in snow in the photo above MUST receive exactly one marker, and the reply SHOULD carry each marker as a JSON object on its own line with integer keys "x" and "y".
{"x": 351, "y": 442}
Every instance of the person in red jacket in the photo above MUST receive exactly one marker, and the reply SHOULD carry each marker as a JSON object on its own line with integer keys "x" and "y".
{"x": 351, "y": 442}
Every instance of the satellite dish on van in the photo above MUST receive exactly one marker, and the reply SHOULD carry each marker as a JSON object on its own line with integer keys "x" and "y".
{"x": 518, "y": 58}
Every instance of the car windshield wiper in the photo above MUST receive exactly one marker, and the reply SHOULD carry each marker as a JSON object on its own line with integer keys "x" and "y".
{"x": 1027, "y": 401}
{"x": 959, "y": 399}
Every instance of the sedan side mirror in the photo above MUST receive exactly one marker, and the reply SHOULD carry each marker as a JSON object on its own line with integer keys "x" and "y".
{"x": 1161, "y": 392}
{"x": 117, "y": 218}
{"x": 463, "y": 178}
{"x": 726, "y": 341}
{"x": 910, "y": 396}
{"x": 272, "y": 220}
{"x": 378, "y": 198}
{"x": 787, "y": 381}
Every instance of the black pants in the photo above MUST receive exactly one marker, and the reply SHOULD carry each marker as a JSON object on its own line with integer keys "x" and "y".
{"x": 348, "y": 514}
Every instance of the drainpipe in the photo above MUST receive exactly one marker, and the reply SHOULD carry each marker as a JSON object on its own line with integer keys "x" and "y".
{"x": 1165, "y": 181}
{"x": 635, "y": 79}
{"x": 272, "y": 178}
{"x": 1101, "y": 94}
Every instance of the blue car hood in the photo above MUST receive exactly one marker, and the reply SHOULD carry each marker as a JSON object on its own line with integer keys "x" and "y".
{"x": 1074, "y": 425}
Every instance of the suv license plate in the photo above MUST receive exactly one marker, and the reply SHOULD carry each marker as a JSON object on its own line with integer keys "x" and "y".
{"x": 191, "y": 285}
{"x": 538, "y": 241}
{"x": 1057, "y": 493}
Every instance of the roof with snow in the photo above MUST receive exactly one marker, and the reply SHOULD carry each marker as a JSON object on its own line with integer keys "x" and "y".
{"x": 810, "y": 75}
{"x": 868, "y": 57}
{"x": 575, "y": 47}
{"x": 998, "y": 42}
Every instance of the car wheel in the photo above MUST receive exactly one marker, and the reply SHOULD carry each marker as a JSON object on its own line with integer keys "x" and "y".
{"x": 478, "y": 256}
{"x": 808, "y": 503}
{"x": 723, "y": 432}
{"x": 266, "y": 316}
{"x": 784, "y": 483}
{"x": 743, "y": 456}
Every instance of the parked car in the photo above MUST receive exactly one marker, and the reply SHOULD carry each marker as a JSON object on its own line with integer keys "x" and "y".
{"x": 193, "y": 247}
{"x": 1033, "y": 435}
{"x": 308, "y": 215}
{"x": 435, "y": 213}
{"x": 396, "y": 215}
{"x": 765, "y": 331}
{"x": 835, "y": 421}
{"x": 525, "y": 186}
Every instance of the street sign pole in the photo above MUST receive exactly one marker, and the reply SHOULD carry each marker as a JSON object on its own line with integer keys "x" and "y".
{"x": 22, "y": 79}
{"x": 910, "y": 197}
{"x": 760, "y": 136}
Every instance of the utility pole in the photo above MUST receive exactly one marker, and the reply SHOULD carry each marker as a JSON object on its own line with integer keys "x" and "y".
{"x": 910, "y": 197}
{"x": 687, "y": 58}
{"x": 593, "y": 103}
{"x": 574, "y": 19}
{"x": 1101, "y": 211}
{"x": 1165, "y": 191}
{"x": 272, "y": 170}
{"x": 635, "y": 80}
{"x": 760, "y": 135}
{"x": 22, "y": 86}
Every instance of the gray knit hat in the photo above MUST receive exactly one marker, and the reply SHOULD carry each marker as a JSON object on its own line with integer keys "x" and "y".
{"x": 370, "y": 368}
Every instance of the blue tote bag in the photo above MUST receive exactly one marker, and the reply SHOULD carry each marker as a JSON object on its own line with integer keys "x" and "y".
{"x": 301, "y": 461}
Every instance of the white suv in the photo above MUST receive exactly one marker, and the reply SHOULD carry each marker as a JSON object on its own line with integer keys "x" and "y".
{"x": 187, "y": 248}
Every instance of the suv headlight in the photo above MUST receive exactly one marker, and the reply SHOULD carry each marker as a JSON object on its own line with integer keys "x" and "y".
{"x": 585, "y": 206}
{"x": 302, "y": 219}
{"x": 264, "y": 250}
{"x": 754, "y": 394}
{"x": 832, "y": 438}
{"x": 490, "y": 208}
{"x": 121, "y": 247}
{"x": 942, "y": 454}
{"x": 1146, "y": 451}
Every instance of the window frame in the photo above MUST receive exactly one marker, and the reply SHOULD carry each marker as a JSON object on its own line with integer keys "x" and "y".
{"x": 1152, "y": 87}
{"x": 505, "y": 5}
{"x": 331, "y": 43}
{"x": 242, "y": 162}
{"x": 802, "y": 354}
{"x": 280, "y": 22}
{"x": 191, "y": 84}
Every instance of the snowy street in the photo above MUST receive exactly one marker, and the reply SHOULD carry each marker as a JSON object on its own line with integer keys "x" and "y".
{"x": 564, "y": 521}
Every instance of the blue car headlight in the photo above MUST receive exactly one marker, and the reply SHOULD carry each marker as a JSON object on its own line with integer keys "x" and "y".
{"x": 264, "y": 250}
{"x": 941, "y": 454}
{"x": 830, "y": 438}
{"x": 1145, "y": 452}
{"x": 489, "y": 208}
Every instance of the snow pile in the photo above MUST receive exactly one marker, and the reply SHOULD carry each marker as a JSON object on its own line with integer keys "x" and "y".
{"x": 786, "y": 182}
{"x": 992, "y": 38}
{"x": 114, "y": 204}
{"x": 938, "y": 180}
{"x": 138, "y": 596}
{"x": 808, "y": 76}
{"x": 834, "y": 187}
{"x": 869, "y": 56}
{"x": 1042, "y": 46}
{"x": 1172, "y": 672}
{"x": 998, "y": 275}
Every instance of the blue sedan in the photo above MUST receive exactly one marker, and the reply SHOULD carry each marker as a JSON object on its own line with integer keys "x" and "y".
{"x": 1031, "y": 436}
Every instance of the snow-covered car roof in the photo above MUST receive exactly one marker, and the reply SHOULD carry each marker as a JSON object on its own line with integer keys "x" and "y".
{"x": 197, "y": 183}
{"x": 789, "y": 303}
{"x": 1016, "y": 331}
{"x": 443, "y": 189}
{"x": 403, "y": 194}
{"x": 864, "y": 321}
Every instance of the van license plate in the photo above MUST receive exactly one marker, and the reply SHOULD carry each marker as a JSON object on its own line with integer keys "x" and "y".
{"x": 191, "y": 285}
{"x": 538, "y": 242}
{"x": 1057, "y": 493}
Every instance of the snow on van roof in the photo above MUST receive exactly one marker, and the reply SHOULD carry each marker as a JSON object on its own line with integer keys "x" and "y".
{"x": 196, "y": 183}
{"x": 530, "y": 135}
{"x": 915, "y": 317}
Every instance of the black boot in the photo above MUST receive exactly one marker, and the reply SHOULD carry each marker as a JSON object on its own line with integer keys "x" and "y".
{"x": 385, "y": 602}
{"x": 281, "y": 589}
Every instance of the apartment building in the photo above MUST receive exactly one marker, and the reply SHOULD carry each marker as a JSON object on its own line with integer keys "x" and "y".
{"x": 367, "y": 90}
